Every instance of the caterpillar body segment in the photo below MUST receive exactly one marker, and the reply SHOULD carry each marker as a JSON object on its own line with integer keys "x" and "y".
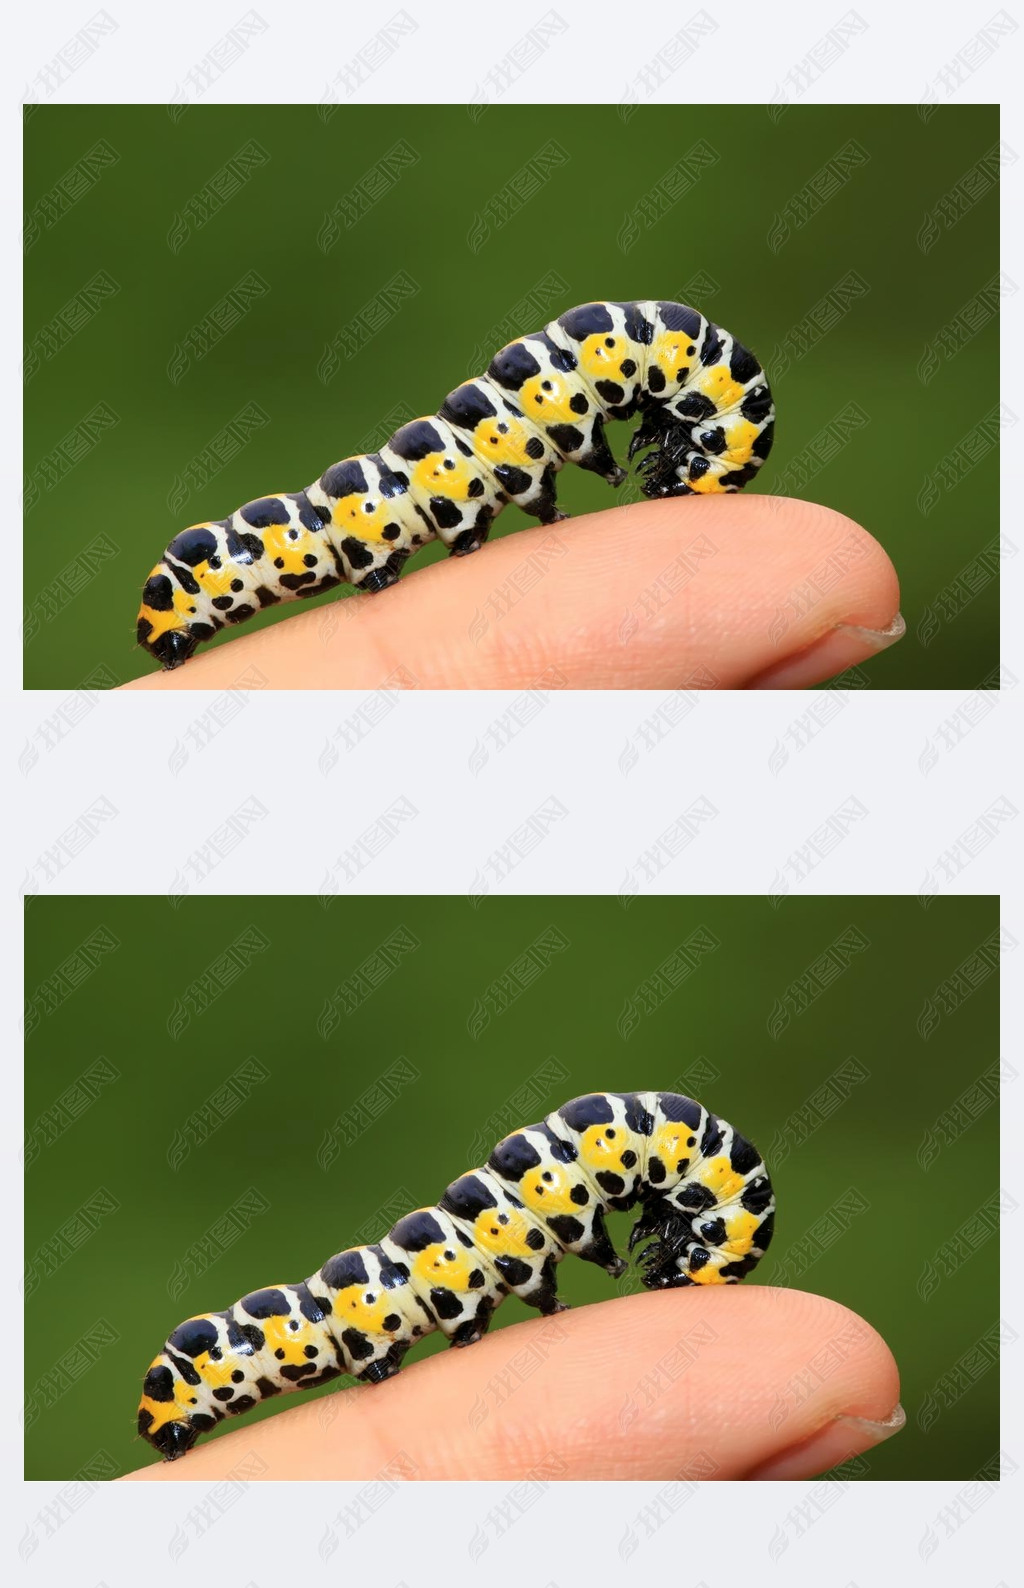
{"x": 707, "y": 1217}
{"x": 707, "y": 418}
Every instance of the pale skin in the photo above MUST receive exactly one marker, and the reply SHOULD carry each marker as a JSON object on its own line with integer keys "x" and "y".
{"x": 728, "y": 592}
{"x": 720, "y": 1382}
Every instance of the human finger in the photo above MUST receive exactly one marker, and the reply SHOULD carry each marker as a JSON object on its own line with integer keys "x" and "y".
{"x": 731, "y": 1382}
{"x": 700, "y": 592}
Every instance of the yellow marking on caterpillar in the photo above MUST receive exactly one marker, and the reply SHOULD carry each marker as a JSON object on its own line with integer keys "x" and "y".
{"x": 599, "y": 1150}
{"x": 548, "y": 1195}
{"x": 173, "y": 1411}
{"x": 720, "y": 1177}
{"x": 216, "y": 1374}
{"x": 432, "y": 478}
{"x": 504, "y": 1240}
{"x": 278, "y": 543}
{"x": 350, "y": 1307}
{"x": 717, "y": 384}
{"x": 740, "y": 1230}
{"x": 600, "y": 361}
{"x": 183, "y": 608}
{"x": 740, "y": 436}
{"x": 434, "y": 1268}
{"x": 493, "y": 447}
{"x": 350, "y": 515}
{"x": 551, "y": 406}
{"x": 708, "y": 484}
{"x": 215, "y": 581}
{"x": 281, "y": 1338}
{"x": 673, "y": 1143}
{"x": 670, "y": 355}
{"x": 708, "y": 1275}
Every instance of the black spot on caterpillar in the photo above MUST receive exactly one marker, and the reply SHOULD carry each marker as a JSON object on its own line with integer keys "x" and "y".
{"x": 707, "y": 1215}
{"x": 706, "y": 412}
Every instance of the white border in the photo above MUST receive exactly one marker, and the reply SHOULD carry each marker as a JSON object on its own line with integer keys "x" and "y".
{"x": 722, "y": 753}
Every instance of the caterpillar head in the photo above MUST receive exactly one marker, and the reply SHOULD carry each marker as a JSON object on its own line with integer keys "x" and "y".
{"x": 716, "y": 1246}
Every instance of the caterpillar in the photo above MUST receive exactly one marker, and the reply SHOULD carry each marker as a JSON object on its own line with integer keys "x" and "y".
{"x": 707, "y": 1217}
{"x": 707, "y": 416}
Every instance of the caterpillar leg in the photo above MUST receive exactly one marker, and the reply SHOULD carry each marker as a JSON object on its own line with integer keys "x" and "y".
{"x": 598, "y": 457}
{"x": 470, "y": 540}
{"x": 543, "y": 504}
{"x": 668, "y": 1235}
{"x": 599, "y": 1249}
{"x": 554, "y": 516}
{"x": 545, "y": 1296}
{"x": 709, "y": 1246}
{"x": 700, "y": 447}
{"x": 386, "y": 1366}
{"x": 474, "y": 1329}
{"x": 384, "y": 577}
{"x": 654, "y": 427}
{"x": 666, "y": 468}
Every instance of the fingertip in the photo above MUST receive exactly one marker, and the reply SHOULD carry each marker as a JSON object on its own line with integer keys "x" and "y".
{"x": 864, "y": 1370}
{"x": 841, "y": 1402}
{"x": 841, "y": 607}
{"x": 838, "y": 554}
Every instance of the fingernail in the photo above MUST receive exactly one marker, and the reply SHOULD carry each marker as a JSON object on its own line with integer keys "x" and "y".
{"x": 879, "y": 1428}
{"x": 878, "y": 639}
{"x": 843, "y": 646}
{"x": 843, "y": 1437}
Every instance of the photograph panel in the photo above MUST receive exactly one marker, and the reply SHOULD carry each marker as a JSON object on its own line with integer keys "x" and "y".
{"x": 269, "y": 1099}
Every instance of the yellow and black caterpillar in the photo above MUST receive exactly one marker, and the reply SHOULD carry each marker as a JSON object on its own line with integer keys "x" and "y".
{"x": 707, "y": 1215}
{"x": 706, "y": 413}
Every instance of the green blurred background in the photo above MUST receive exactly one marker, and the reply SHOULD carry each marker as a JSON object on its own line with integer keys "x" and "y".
{"x": 555, "y": 238}
{"x": 502, "y": 1014}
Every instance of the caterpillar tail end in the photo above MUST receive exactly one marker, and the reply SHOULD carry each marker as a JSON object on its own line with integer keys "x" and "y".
{"x": 171, "y": 649}
{"x": 173, "y": 1439}
{"x": 167, "y": 626}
